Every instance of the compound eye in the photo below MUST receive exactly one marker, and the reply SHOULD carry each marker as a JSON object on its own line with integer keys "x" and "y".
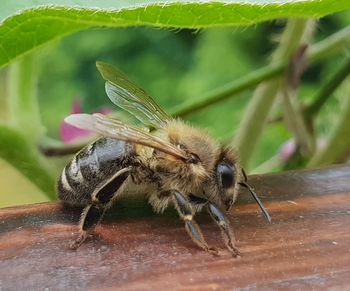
{"x": 226, "y": 175}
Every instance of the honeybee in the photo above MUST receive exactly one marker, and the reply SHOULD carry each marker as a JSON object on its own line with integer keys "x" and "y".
{"x": 172, "y": 164}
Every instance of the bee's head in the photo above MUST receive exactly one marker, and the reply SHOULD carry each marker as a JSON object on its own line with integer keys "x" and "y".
{"x": 224, "y": 175}
{"x": 227, "y": 176}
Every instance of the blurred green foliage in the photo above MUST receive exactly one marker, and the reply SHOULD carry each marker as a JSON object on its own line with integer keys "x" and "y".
{"x": 174, "y": 66}
{"x": 171, "y": 65}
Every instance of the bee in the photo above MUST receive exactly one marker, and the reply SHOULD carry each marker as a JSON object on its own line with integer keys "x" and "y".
{"x": 171, "y": 164}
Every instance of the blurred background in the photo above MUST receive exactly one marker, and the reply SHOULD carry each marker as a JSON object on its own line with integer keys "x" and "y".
{"x": 173, "y": 66}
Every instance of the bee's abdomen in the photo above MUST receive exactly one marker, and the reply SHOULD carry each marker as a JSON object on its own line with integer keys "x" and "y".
{"x": 91, "y": 167}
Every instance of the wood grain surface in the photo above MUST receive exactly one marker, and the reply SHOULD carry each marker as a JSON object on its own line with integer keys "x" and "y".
{"x": 306, "y": 247}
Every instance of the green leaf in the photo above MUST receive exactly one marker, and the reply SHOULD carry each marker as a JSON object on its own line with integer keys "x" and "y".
{"x": 26, "y": 25}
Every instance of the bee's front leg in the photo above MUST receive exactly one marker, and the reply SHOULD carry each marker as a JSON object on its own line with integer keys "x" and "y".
{"x": 100, "y": 201}
{"x": 184, "y": 208}
{"x": 225, "y": 227}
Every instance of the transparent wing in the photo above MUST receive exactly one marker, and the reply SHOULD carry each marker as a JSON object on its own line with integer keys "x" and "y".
{"x": 125, "y": 94}
{"x": 121, "y": 131}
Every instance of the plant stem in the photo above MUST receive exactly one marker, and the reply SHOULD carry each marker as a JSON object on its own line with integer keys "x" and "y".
{"x": 254, "y": 119}
{"x": 17, "y": 150}
{"x": 339, "y": 141}
{"x": 294, "y": 119}
{"x": 228, "y": 90}
{"x": 18, "y": 143}
{"x": 331, "y": 45}
{"x": 54, "y": 148}
{"x": 22, "y": 99}
{"x": 293, "y": 114}
{"x": 325, "y": 92}
{"x": 271, "y": 164}
{"x": 328, "y": 88}
{"x": 319, "y": 51}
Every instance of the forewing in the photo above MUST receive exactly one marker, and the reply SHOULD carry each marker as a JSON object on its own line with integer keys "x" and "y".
{"x": 121, "y": 131}
{"x": 127, "y": 95}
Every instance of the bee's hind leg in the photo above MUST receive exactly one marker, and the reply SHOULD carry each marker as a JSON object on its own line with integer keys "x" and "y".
{"x": 225, "y": 227}
{"x": 91, "y": 216}
{"x": 100, "y": 202}
{"x": 183, "y": 206}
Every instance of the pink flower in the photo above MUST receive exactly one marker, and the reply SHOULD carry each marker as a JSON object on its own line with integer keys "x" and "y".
{"x": 71, "y": 134}
{"x": 287, "y": 149}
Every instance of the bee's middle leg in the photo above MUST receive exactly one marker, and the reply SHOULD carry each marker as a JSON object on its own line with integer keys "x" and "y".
{"x": 183, "y": 206}
{"x": 101, "y": 201}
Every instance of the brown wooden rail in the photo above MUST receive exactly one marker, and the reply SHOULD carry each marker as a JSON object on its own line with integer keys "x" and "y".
{"x": 307, "y": 246}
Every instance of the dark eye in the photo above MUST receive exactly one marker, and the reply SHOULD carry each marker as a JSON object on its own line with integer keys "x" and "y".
{"x": 226, "y": 175}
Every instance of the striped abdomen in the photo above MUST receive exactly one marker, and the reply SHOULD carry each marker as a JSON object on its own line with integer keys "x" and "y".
{"x": 92, "y": 167}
